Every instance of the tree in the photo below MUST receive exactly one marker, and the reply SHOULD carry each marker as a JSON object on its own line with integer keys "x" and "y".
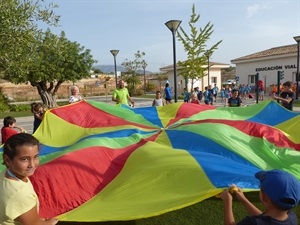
{"x": 56, "y": 61}
{"x": 18, "y": 31}
{"x": 195, "y": 45}
{"x": 132, "y": 68}
{"x": 161, "y": 77}
{"x": 97, "y": 71}
{"x": 28, "y": 54}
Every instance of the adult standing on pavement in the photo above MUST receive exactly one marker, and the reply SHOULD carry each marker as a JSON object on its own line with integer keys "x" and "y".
{"x": 75, "y": 97}
{"x": 121, "y": 95}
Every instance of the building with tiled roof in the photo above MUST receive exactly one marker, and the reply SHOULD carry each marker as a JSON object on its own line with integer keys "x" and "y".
{"x": 272, "y": 52}
{"x": 267, "y": 63}
{"x": 214, "y": 77}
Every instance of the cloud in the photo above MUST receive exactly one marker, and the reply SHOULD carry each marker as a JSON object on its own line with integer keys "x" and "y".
{"x": 254, "y": 9}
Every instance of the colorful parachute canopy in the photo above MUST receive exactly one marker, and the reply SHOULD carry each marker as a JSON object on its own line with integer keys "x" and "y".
{"x": 105, "y": 163}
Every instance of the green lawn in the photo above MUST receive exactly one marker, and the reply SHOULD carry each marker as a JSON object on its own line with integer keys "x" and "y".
{"x": 16, "y": 114}
{"x": 208, "y": 212}
{"x": 23, "y": 113}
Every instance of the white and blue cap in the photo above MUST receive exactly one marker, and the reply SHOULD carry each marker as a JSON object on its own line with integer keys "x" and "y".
{"x": 281, "y": 187}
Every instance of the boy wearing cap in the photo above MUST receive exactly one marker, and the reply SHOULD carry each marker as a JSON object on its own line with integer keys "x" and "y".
{"x": 279, "y": 193}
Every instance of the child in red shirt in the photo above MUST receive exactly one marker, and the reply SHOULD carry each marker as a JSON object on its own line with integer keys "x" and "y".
{"x": 9, "y": 123}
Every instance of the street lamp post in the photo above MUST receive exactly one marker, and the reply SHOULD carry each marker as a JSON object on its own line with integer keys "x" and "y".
{"x": 207, "y": 54}
{"x": 173, "y": 26}
{"x": 144, "y": 67}
{"x": 115, "y": 53}
{"x": 297, "y": 39}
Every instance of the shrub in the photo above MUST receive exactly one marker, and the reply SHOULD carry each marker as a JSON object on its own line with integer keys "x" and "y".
{"x": 3, "y": 98}
{"x": 3, "y": 102}
{"x": 150, "y": 87}
{"x": 4, "y": 107}
{"x": 20, "y": 108}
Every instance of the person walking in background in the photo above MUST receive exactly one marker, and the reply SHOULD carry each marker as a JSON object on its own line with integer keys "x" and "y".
{"x": 261, "y": 90}
{"x": 248, "y": 90}
{"x": 227, "y": 94}
{"x": 215, "y": 91}
{"x": 19, "y": 203}
{"x": 186, "y": 95}
{"x": 38, "y": 114}
{"x": 210, "y": 95}
{"x": 75, "y": 97}
{"x": 242, "y": 91}
{"x": 200, "y": 94}
{"x": 233, "y": 87}
{"x": 279, "y": 194}
{"x": 168, "y": 94}
{"x": 158, "y": 101}
{"x": 286, "y": 96}
{"x": 121, "y": 95}
{"x": 222, "y": 94}
{"x": 9, "y": 128}
{"x": 206, "y": 95}
{"x": 234, "y": 100}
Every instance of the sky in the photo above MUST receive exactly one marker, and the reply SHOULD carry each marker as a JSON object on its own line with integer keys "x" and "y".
{"x": 244, "y": 26}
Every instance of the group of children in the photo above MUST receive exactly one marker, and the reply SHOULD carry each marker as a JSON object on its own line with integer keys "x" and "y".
{"x": 279, "y": 190}
{"x": 231, "y": 96}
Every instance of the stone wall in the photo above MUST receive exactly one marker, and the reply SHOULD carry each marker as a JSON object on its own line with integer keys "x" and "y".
{"x": 87, "y": 87}
{"x": 25, "y": 92}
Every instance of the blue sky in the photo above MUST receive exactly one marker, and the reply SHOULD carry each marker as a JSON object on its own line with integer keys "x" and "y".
{"x": 245, "y": 26}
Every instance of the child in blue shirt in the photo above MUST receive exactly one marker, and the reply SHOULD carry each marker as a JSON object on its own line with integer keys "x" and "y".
{"x": 186, "y": 95}
{"x": 279, "y": 193}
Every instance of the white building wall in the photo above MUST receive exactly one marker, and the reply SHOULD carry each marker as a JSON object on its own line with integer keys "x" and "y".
{"x": 214, "y": 72}
{"x": 267, "y": 69}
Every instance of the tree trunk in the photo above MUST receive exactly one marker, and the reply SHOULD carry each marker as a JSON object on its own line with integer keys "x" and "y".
{"x": 192, "y": 87}
{"x": 48, "y": 99}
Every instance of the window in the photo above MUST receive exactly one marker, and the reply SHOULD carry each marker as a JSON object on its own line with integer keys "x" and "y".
{"x": 213, "y": 80}
{"x": 251, "y": 79}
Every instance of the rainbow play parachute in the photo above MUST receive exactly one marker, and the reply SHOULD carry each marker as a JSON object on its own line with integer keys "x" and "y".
{"x": 105, "y": 163}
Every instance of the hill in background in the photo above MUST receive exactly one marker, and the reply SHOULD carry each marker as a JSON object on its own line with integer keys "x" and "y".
{"x": 111, "y": 69}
